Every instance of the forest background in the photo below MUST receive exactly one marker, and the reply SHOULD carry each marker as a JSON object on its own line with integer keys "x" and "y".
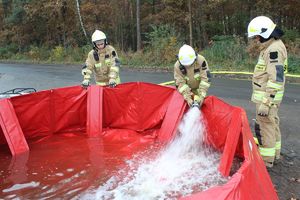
{"x": 147, "y": 33}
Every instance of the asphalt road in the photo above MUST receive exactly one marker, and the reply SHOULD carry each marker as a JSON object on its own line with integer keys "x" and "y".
{"x": 234, "y": 92}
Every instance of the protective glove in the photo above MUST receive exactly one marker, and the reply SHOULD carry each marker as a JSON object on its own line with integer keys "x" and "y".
{"x": 85, "y": 84}
{"x": 199, "y": 100}
{"x": 112, "y": 84}
{"x": 189, "y": 102}
{"x": 263, "y": 110}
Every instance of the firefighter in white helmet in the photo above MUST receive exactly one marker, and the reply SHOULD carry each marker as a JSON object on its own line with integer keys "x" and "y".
{"x": 268, "y": 86}
{"x": 192, "y": 76}
{"x": 103, "y": 61}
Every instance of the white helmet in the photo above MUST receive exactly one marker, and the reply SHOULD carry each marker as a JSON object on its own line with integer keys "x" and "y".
{"x": 262, "y": 26}
{"x": 98, "y": 35}
{"x": 187, "y": 55}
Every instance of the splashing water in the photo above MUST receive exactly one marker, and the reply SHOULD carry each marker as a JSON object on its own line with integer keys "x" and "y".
{"x": 184, "y": 167}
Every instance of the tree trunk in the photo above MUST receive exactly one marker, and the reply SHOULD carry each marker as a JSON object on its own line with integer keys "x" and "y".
{"x": 138, "y": 26}
{"x": 190, "y": 22}
{"x": 132, "y": 40}
{"x": 80, "y": 19}
{"x": 6, "y": 5}
{"x": 153, "y": 7}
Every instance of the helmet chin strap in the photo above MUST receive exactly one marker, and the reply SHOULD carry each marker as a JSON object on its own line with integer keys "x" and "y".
{"x": 95, "y": 47}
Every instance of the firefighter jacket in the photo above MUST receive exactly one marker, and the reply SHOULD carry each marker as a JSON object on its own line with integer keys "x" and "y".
{"x": 268, "y": 78}
{"x": 192, "y": 80}
{"x": 104, "y": 64}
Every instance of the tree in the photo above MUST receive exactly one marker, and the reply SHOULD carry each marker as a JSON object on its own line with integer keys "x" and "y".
{"x": 126, "y": 22}
{"x": 138, "y": 26}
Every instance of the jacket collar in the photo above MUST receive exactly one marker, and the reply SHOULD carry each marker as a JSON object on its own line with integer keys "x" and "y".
{"x": 266, "y": 44}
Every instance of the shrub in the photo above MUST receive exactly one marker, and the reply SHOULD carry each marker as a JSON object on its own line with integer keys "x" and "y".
{"x": 294, "y": 64}
{"x": 34, "y": 53}
{"x": 57, "y": 54}
{"x": 9, "y": 51}
{"x": 229, "y": 52}
{"x": 291, "y": 35}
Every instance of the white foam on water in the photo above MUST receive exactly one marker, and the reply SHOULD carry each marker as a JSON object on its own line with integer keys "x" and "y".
{"x": 185, "y": 166}
{"x": 16, "y": 187}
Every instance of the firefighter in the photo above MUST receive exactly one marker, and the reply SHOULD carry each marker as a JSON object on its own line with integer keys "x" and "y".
{"x": 103, "y": 61}
{"x": 268, "y": 86}
{"x": 192, "y": 76}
